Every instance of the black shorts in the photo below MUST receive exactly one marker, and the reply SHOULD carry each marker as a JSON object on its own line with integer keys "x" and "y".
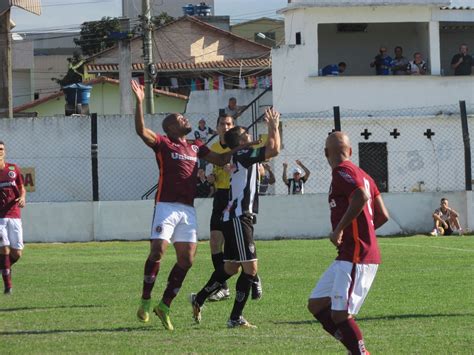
{"x": 238, "y": 239}
{"x": 221, "y": 199}
{"x": 448, "y": 231}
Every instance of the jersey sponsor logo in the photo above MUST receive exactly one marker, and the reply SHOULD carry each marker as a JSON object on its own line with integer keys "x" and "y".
{"x": 177, "y": 156}
{"x": 195, "y": 148}
{"x": 346, "y": 177}
{"x": 11, "y": 167}
{"x": 332, "y": 203}
{"x": 12, "y": 174}
{"x": 7, "y": 184}
{"x": 242, "y": 151}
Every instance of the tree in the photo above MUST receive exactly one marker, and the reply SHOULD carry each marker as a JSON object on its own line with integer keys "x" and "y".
{"x": 72, "y": 76}
{"x": 162, "y": 19}
{"x": 95, "y": 35}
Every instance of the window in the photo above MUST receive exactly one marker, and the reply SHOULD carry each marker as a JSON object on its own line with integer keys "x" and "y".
{"x": 298, "y": 38}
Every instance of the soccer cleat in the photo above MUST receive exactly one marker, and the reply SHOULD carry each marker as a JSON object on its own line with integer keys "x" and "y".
{"x": 143, "y": 312}
{"x": 219, "y": 295}
{"x": 240, "y": 323}
{"x": 8, "y": 291}
{"x": 163, "y": 312}
{"x": 434, "y": 233}
{"x": 196, "y": 308}
{"x": 257, "y": 291}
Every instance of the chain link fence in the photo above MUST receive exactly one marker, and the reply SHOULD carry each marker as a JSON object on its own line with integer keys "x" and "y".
{"x": 418, "y": 149}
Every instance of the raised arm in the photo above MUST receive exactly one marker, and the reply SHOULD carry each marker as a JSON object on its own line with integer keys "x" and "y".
{"x": 147, "y": 135}
{"x": 305, "y": 169}
{"x": 271, "y": 177}
{"x": 272, "y": 148}
{"x": 284, "y": 176}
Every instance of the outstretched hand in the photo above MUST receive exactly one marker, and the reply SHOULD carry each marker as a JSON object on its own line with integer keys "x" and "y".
{"x": 137, "y": 90}
{"x": 272, "y": 117}
{"x": 21, "y": 202}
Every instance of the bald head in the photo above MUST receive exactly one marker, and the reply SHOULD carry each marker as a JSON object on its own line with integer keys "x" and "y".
{"x": 338, "y": 148}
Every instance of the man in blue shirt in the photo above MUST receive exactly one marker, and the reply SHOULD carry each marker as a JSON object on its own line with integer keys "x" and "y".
{"x": 382, "y": 62}
{"x": 333, "y": 69}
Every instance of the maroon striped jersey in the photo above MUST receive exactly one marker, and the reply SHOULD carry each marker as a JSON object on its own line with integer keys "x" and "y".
{"x": 359, "y": 243}
{"x": 178, "y": 164}
{"x": 11, "y": 182}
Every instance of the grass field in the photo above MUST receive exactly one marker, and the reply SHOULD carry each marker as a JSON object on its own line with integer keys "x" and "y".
{"x": 82, "y": 298}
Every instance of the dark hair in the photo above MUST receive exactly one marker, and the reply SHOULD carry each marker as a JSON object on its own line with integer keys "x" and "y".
{"x": 224, "y": 116}
{"x": 444, "y": 199}
{"x": 398, "y": 47}
{"x": 232, "y": 99}
{"x": 168, "y": 121}
{"x": 232, "y": 136}
{"x": 1, "y": 143}
{"x": 342, "y": 64}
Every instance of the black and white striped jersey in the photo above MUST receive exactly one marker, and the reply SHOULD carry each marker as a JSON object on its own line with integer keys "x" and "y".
{"x": 243, "y": 194}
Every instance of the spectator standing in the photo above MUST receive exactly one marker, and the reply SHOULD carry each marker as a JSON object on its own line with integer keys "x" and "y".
{"x": 399, "y": 64}
{"x": 333, "y": 69}
{"x": 232, "y": 109}
{"x": 296, "y": 183}
{"x": 417, "y": 66}
{"x": 12, "y": 199}
{"x": 204, "y": 188}
{"x": 462, "y": 62}
{"x": 203, "y": 132}
{"x": 382, "y": 62}
{"x": 266, "y": 178}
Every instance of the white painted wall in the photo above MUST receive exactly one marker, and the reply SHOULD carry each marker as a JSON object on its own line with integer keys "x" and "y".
{"x": 294, "y": 90}
{"x": 281, "y": 216}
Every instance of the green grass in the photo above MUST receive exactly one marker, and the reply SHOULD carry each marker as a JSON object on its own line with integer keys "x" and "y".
{"x": 82, "y": 298}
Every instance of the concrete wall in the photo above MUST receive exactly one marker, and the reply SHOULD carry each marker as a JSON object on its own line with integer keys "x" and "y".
{"x": 281, "y": 216}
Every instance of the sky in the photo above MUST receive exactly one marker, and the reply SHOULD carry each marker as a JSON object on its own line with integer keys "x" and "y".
{"x": 69, "y": 14}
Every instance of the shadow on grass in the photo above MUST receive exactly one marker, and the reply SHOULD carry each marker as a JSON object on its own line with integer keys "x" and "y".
{"x": 50, "y": 307}
{"x": 388, "y": 317}
{"x": 71, "y": 331}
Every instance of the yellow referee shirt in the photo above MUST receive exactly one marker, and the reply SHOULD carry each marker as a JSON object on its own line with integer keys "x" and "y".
{"x": 222, "y": 177}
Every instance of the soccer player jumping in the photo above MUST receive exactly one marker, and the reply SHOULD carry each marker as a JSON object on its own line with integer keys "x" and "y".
{"x": 357, "y": 210}
{"x": 174, "y": 219}
{"x": 238, "y": 220}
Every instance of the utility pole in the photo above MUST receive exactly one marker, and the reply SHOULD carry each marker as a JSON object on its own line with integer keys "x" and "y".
{"x": 6, "y": 72}
{"x": 149, "y": 69}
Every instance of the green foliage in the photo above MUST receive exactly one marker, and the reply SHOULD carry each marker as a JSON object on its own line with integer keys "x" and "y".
{"x": 95, "y": 35}
{"x": 162, "y": 19}
{"x": 82, "y": 297}
{"x": 73, "y": 75}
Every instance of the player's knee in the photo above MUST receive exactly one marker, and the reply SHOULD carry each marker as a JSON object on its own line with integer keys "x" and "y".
{"x": 15, "y": 255}
{"x": 339, "y": 316}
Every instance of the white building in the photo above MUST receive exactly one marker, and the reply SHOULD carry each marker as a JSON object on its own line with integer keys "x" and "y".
{"x": 321, "y": 32}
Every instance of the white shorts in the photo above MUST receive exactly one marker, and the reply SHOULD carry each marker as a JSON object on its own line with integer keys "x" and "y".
{"x": 11, "y": 233}
{"x": 347, "y": 284}
{"x": 174, "y": 222}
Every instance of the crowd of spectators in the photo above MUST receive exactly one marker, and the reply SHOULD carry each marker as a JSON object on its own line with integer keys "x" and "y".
{"x": 384, "y": 64}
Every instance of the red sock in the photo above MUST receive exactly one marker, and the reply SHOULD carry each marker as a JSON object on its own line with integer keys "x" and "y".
{"x": 5, "y": 270}
{"x": 324, "y": 317}
{"x": 150, "y": 272}
{"x": 175, "y": 280}
{"x": 352, "y": 336}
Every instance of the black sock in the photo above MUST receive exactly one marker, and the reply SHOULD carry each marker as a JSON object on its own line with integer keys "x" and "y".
{"x": 216, "y": 281}
{"x": 242, "y": 288}
{"x": 218, "y": 262}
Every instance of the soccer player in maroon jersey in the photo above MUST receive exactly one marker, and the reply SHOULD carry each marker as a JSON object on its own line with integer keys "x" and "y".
{"x": 174, "y": 219}
{"x": 12, "y": 198}
{"x": 357, "y": 210}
